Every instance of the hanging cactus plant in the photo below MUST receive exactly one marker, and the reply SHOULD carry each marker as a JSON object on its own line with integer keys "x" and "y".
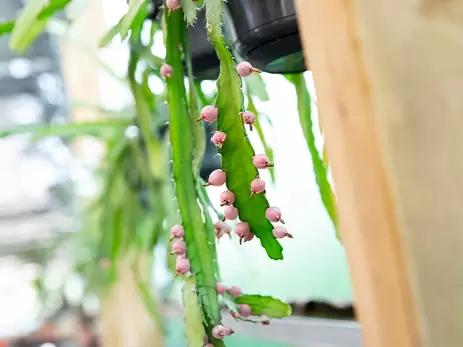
{"x": 193, "y": 235}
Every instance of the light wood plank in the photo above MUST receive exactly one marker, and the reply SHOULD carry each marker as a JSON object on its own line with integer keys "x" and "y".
{"x": 368, "y": 218}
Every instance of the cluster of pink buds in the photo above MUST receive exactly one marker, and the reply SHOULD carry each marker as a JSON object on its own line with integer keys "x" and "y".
{"x": 182, "y": 264}
{"x": 273, "y": 214}
{"x": 172, "y": 5}
{"x": 245, "y": 69}
{"x": 221, "y": 229}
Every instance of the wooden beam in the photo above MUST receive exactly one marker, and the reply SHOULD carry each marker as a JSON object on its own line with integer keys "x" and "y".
{"x": 389, "y": 78}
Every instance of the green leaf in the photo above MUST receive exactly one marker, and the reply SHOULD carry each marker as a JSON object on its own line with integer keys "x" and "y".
{"x": 47, "y": 11}
{"x": 189, "y": 8}
{"x": 194, "y": 329}
{"x": 67, "y": 129}
{"x": 237, "y": 151}
{"x": 110, "y": 34}
{"x": 129, "y": 17}
{"x": 319, "y": 167}
{"x": 271, "y": 307}
{"x": 233, "y": 307}
{"x": 6, "y": 27}
{"x": 200, "y": 252}
{"x": 25, "y": 21}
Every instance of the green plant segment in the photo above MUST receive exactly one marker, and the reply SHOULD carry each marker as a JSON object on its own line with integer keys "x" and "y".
{"x": 237, "y": 151}
{"x": 200, "y": 251}
{"x": 319, "y": 165}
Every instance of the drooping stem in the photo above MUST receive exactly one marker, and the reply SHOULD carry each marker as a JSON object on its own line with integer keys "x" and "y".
{"x": 237, "y": 152}
{"x": 199, "y": 249}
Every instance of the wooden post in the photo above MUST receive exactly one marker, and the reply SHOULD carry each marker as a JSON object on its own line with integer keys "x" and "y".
{"x": 389, "y": 80}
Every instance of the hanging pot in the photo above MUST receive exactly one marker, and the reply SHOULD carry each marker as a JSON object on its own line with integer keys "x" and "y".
{"x": 265, "y": 33}
{"x": 206, "y": 65}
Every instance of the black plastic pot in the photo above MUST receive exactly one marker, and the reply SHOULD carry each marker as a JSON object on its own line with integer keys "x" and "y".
{"x": 265, "y": 33}
{"x": 206, "y": 65}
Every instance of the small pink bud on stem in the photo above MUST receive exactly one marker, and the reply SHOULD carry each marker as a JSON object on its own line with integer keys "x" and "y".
{"x": 245, "y": 68}
{"x": 182, "y": 265}
{"x": 273, "y": 214}
{"x": 280, "y": 232}
{"x": 209, "y": 114}
{"x": 248, "y": 118}
{"x": 227, "y": 198}
{"x": 216, "y": 178}
{"x": 243, "y": 231}
{"x": 176, "y": 232}
{"x": 234, "y": 291}
{"x": 219, "y": 331}
{"x": 166, "y": 70}
{"x": 218, "y": 138}
{"x": 221, "y": 229}
{"x": 244, "y": 310}
{"x": 172, "y": 5}
{"x": 179, "y": 247}
{"x": 230, "y": 213}
{"x": 265, "y": 319}
{"x": 221, "y": 288}
{"x": 261, "y": 161}
{"x": 257, "y": 186}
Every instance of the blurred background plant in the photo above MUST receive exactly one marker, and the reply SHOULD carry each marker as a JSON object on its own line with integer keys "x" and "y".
{"x": 121, "y": 205}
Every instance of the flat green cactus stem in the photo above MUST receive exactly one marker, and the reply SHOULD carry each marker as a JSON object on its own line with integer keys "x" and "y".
{"x": 200, "y": 251}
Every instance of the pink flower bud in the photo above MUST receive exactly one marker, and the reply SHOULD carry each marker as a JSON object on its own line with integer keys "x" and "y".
{"x": 265, "y": 320}
{"x": 227, "y": 331}
{"x": 209, "y": 114}
{"x": 176, "y": 232}
{"x": 179, "y": 247}
{"x": 257, "y": 186}
{"x": 166, "y": 70}
{"x": 242, "y": 230}
{"x": 280, "y": 232}
{"x": 221, "y": 229}
{"x": 182, "y": 265}
{"x": 244, "y": 310}
{"x": 221, "y": 288}
{"x": 249, "y": 237}
{"x": 227, "y": 198}
{"x": 273, "y": 214}
{"x": 234, "y": 291}
{"x": 172, "y": 5}
{"x": 248, "y": 118}
{"x": 230, "y": 213}
{"x": 260, "y": 161}
{"x": 245, "y": 68}
{"x": 218, "y": 332}
{"x": 216, "y": 178}
{"x": 218, "y": 138}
